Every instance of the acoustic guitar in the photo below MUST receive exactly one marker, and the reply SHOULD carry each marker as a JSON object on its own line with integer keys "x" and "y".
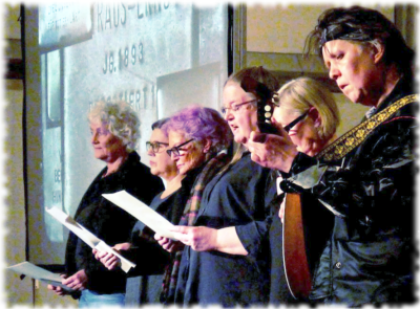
{"x": 307, "y": 226}
{"x": 307, "y": 223}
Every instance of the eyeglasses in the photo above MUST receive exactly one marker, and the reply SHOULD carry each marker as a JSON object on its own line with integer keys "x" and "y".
{"x": 295, "y": 122}
{"x": 156, "y": 147}
{"x": 177, "y": 151}
{"x": 236, "y": 107}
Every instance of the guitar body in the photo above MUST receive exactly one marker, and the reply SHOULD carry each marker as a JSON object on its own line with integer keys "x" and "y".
{"x": 295, "y": 259}
{"x": 305, "y": 234}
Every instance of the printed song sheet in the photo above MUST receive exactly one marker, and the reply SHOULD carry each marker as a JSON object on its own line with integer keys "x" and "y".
{"x": 39, "y": 273}
{"x": 85, "y": 235}
{"x": 142, "y": 212}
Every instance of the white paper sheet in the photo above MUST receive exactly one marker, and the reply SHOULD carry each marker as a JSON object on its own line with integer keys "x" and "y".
{"x": 142, "y": 212}
{"x": 90, "y": 239}
{"x": 39, "y": 273}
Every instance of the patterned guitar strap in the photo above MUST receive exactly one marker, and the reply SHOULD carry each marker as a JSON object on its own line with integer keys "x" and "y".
{"x": 298, "y": 274}
{"x": 353, "y": 138}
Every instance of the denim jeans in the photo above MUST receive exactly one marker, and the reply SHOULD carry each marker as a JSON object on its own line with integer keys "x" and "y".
{"x": 90, "y": 299}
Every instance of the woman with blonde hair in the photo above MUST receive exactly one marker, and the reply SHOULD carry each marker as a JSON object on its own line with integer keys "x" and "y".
{"x": 307, "y": 111}
{"x": 366, "y": 178}
{"x": 308, "y": 99}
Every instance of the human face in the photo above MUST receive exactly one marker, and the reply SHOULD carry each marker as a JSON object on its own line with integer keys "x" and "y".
{"x": 160, "y": 163}
{"x": 191, "y": 154}
{"x": 354, "y": 69}
{"x": 303, "y": 134}
{"x": 243, "y": 121}
{"x": 106, "y": 146}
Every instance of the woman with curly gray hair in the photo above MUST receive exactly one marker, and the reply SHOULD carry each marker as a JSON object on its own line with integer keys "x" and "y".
{"x": 120, "y": 119}
{"x": 114, "y": 129}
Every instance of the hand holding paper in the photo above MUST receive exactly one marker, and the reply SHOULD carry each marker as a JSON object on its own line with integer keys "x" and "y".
{"x": 39, "y": 273}
{"x": 90, "y": 239}
{"x": 109, "y": 260}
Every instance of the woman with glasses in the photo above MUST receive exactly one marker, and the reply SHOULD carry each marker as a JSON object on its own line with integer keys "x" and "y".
{"x": 198, "y": 139}
{"x": 307, "y": 111}
{"x": 226, "y": 258}
{"x": 196, "y": 136}
{"x": 366, "y": 177}
{"x": 144, "y": 282}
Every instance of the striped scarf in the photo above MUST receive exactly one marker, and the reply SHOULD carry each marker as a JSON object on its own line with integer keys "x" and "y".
{"x": 212, "y": 167}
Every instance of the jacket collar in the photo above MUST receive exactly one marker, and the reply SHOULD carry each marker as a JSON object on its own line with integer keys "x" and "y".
{"x": 402, "y": 88}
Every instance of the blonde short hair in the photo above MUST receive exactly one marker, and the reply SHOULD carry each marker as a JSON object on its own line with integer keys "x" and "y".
{"x": 303, "y": 93}
{"x": 120, "y": 119}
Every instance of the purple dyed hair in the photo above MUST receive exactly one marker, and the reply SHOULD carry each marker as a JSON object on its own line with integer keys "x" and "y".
{"x": 201, "y": 123}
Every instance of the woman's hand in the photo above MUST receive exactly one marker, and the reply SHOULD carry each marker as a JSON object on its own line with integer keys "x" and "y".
{"x": 272, "y": 151}
{"x": 77, "y": 282}
{"x": 57, "y": 289}
{"x": 200, "y": 238}
{"x": 203, "y": 238}
{"x": 169, "y": 244}
{"x": 109, "y": 260}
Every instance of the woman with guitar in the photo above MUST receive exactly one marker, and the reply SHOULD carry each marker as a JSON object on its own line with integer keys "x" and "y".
{"x": 366, "y": 177}
{"x": 308, "y": 112}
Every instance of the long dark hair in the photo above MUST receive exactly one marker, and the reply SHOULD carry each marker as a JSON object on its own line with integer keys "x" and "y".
{"x": 362, "y": 25}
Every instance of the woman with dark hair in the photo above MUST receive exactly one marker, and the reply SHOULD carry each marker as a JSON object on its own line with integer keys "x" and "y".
{"x": 226, "y": 259}
{"x": 366, "y": 177}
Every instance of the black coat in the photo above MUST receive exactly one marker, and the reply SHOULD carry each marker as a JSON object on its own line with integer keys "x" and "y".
{"x": 370, "y": 254}
{"x": 144, "y": 282}
{"x": 109, "y": 222}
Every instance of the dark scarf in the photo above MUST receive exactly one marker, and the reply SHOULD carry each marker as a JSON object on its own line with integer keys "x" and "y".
{"x": 211, "y": 168}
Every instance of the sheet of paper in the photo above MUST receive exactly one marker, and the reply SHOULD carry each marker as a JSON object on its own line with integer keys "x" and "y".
{"x": 142, "y": 212}
{"x": 88, "y": 237}
{"x": 39, "y": 273}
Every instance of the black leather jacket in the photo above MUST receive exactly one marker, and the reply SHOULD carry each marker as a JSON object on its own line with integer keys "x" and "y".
{"x": 369, "y": 256}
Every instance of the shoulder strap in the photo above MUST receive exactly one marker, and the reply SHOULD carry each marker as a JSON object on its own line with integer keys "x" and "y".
{"x": 355, "y": 136}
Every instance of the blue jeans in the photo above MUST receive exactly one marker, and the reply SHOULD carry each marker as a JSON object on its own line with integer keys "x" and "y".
{"x": 90, "y": 299}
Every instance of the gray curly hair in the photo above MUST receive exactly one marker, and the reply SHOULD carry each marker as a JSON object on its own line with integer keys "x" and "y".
{"x": 120, "y": 119}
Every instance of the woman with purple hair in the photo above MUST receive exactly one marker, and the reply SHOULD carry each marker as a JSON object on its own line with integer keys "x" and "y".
{"x": 225, "y": 260}
{"x": 197, "y": 138}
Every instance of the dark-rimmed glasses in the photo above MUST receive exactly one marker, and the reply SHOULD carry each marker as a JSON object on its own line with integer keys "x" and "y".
{"x": 295, "y": 122}
{"x": 177, "y": 149}
{"x": 156, "y": 147}
{"x": 236, "y": 107}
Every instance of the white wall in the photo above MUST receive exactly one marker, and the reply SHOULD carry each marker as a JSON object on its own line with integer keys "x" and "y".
{"x": 17, "y": 291}
{"x": 282, "y": 29}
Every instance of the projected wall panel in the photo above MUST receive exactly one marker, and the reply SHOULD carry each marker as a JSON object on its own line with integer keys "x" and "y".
{"x": 157, "y": 57}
